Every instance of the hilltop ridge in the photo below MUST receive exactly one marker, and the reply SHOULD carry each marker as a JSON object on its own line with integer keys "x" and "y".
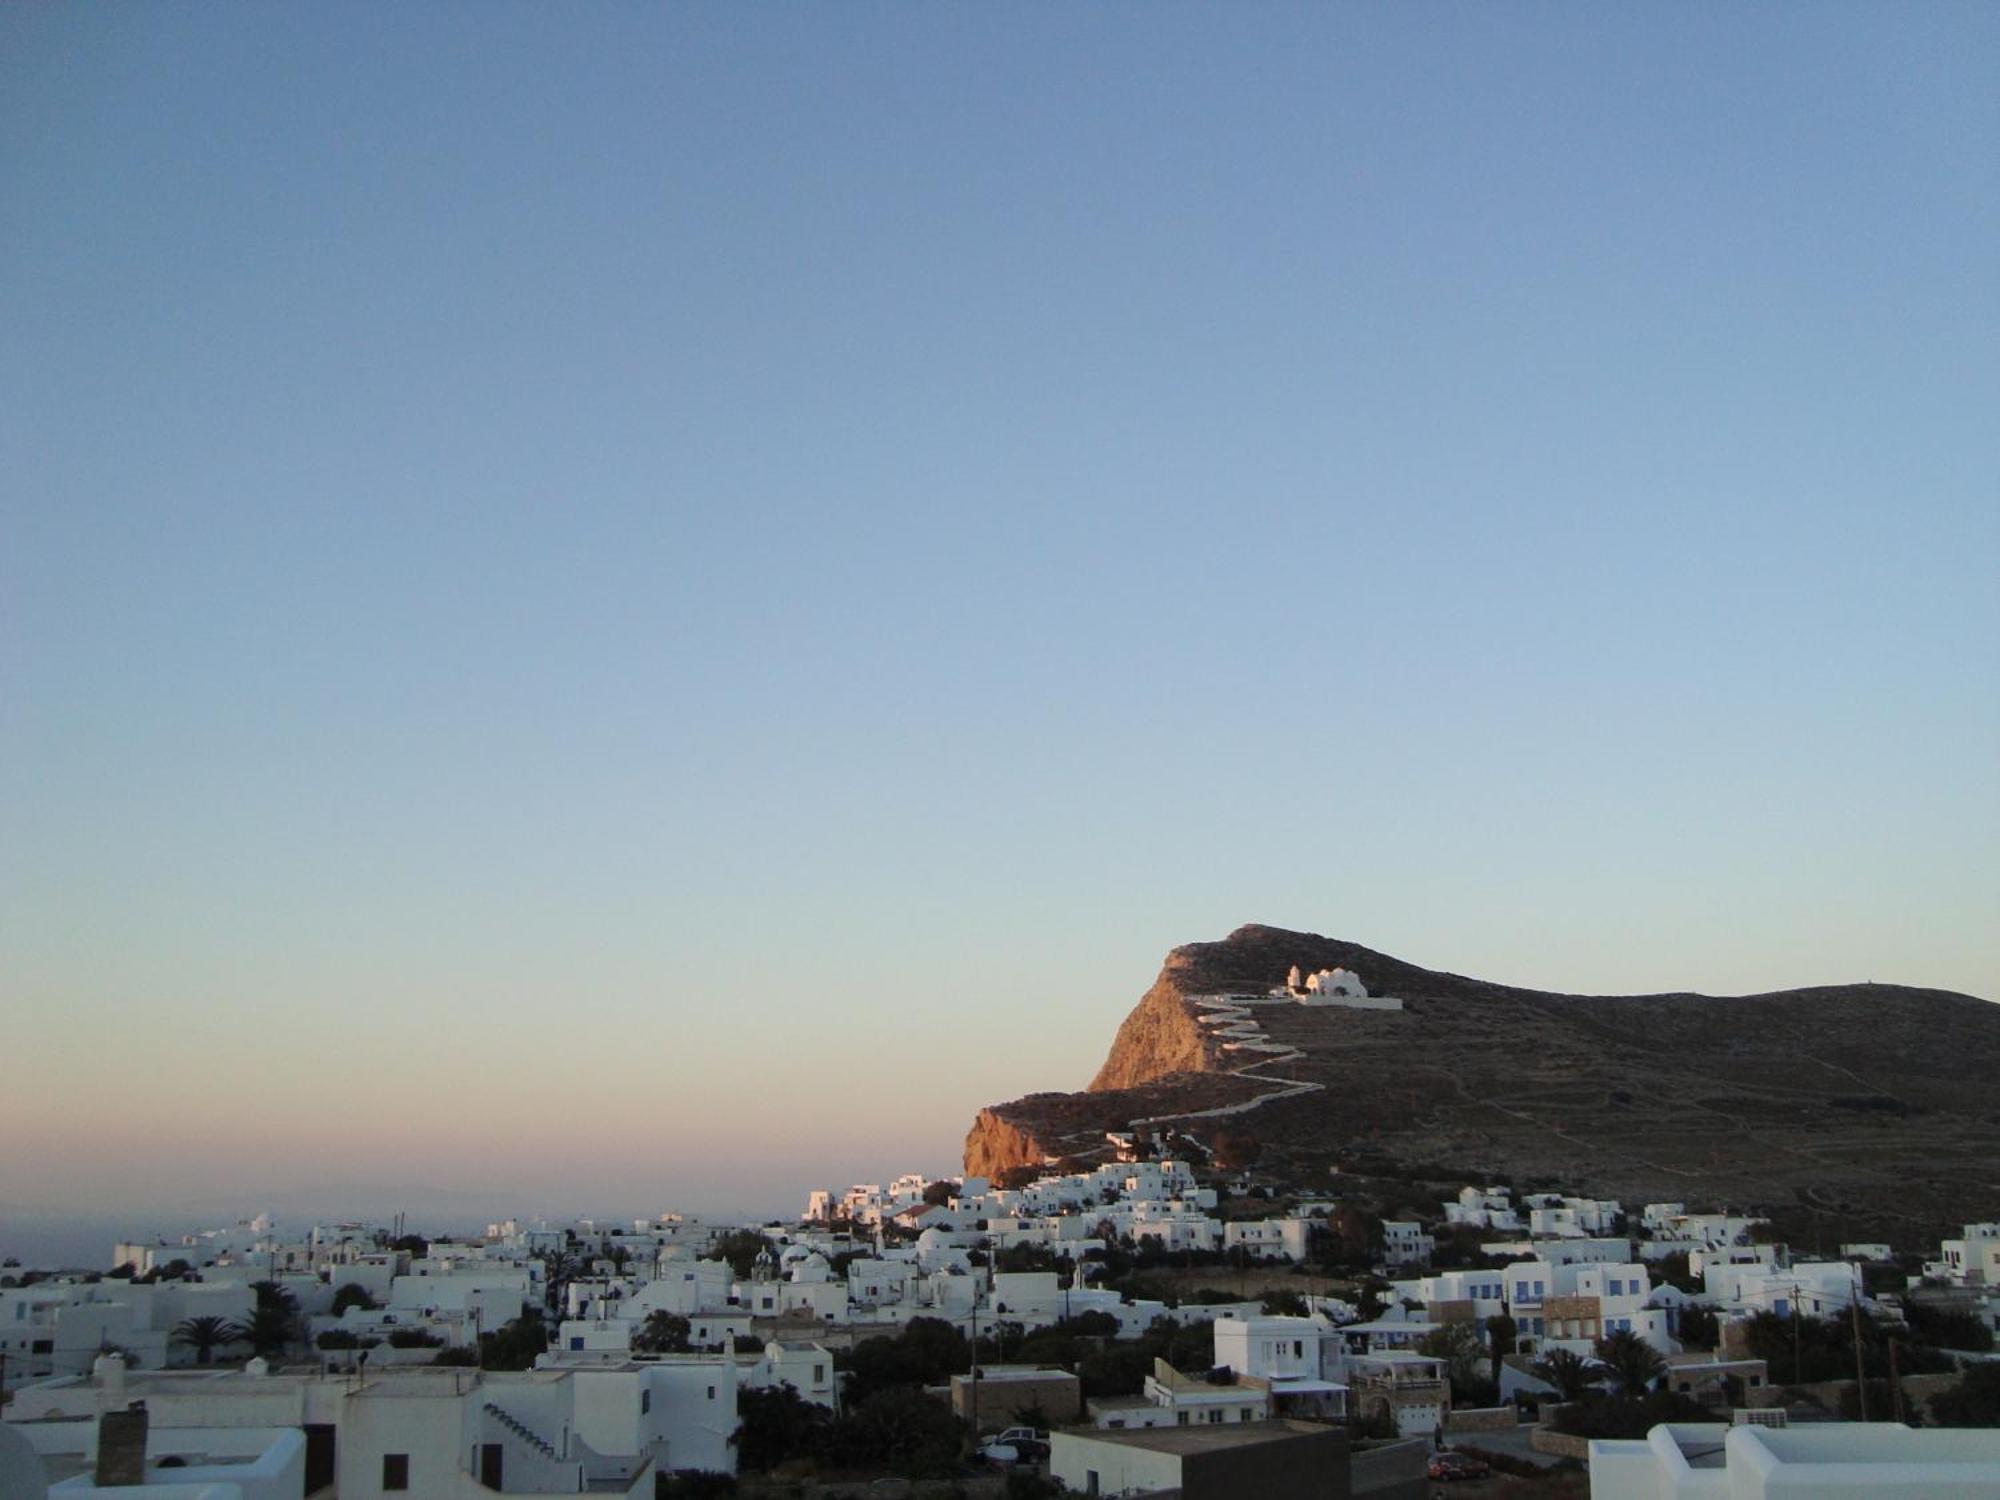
{"x": 1872, "y": 1101}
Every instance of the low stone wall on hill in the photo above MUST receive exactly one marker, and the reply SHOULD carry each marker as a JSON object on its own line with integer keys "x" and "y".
{"x": 1561, "y": 1444}
{"x": 1482, "y": 1419}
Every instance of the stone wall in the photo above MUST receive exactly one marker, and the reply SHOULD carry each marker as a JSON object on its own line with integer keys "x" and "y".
{"x": 1548, "y": 1440}
{"x": 1482, "y": 1419}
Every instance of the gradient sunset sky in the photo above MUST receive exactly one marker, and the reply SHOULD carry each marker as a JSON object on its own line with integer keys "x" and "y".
{"x": 630, "y": 606}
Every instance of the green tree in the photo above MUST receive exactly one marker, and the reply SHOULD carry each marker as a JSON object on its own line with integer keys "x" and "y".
{"x": 1946, "y": 1328}
{"x": 1973, "y": 1402}
{"x": 775, "y": 1426}
{"x": 1459, "y": 1346}
{"x": 1464, "y": 1355}
{"x": 352, "y": 1294}
{"x": 1503, "y": 1335}
{"x": 902, "y": 1430}
{"x": 1697, "y": 1328}
{"x": 271, "y": 1329}
{"x": 662, "y": 1333}
{"x": 206, "y": 1335}
{"x": 740, "y": 1247}
{"x": 1567, "y": 1371}
{"x": 696, "y": 1484}
{"x": 1635, "y": 1363}
{"x": 560, "y": 1266}
{"x": 514, "y": 1345}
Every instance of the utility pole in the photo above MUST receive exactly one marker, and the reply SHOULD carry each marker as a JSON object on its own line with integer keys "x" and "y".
{"x": 1895, "y": 1383}
{"x": 1795, "y": 1335}
{"x": 1860, "y": 1369}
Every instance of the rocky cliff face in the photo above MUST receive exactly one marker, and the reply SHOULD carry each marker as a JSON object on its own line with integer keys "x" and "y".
{"x": 995, "y": 1143}
{"x": 1866, "y": 1103}
{"x": 1162, "y": 1037}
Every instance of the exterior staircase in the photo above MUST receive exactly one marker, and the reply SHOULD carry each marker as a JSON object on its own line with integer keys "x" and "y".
{"x": 522, "y": 1431}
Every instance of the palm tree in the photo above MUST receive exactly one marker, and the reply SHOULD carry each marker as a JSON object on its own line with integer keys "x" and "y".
{"x": 271, "y": 1327}
{"x": 206, "y": 1335}
{"x": 275, "y": 1322}
{"x": 1568, "y": 1372}
{"x": 1502, "y": 1332}
{"x": 1636, "y": 1363}
{"x": 559, "y": 1268}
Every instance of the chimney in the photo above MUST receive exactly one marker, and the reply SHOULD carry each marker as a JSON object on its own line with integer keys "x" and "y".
{"x": 108, "y": 1370}
{"x": 121, "y": 1447}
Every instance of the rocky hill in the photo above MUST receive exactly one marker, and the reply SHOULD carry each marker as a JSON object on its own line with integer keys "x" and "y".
{"x": 1867, "y": 1103}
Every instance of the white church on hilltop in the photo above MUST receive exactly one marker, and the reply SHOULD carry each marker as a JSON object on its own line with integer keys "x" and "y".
{"x": 1335, "y": 987}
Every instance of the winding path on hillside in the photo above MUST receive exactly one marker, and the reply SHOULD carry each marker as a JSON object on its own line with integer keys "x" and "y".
{"x": 1230, "y": 1016}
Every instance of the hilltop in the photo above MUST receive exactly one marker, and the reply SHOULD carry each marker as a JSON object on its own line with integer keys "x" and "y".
{"x": 1869, "y": 1103}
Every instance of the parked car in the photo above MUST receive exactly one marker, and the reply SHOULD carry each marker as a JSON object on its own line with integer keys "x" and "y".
{"x": 1028, "y": 1442}
{"x": 1449, "y": 1466}
{"x": 999, "y": 1453}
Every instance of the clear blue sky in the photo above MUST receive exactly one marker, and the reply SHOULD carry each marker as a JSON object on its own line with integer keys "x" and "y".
{"x": 650, "y": 604}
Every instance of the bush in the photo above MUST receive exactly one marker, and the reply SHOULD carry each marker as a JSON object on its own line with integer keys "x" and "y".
{"x": 1623, "y": 1417}
{"x": 695, "y": 1484}
{"x": 1030, "y": 1484}
{"x": 1947, "y": 1328}
{"x": 1973, "y": 1402}
{"x": 1500, "y": 1463}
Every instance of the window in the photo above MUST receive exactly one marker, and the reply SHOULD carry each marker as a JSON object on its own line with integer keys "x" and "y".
{"x": 711, "y": 1393}
{"x": 1182, "y": 1417}
{"x": 395, "y": 1471}
{"x": 645, "y": 1402}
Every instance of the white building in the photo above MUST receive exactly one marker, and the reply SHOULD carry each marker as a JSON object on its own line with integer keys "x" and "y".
{"x": 427, "y": 1431}
{"x": 1171, "y": 1399}
{"x": 1405, "y": 1243}
{"x": 1341, "y": 987}
{"x": 1973, "y": 1259}
{"x": 1823, "y": 1460}
{"x": 1268, "y": 1239}
{"x": 1812, "y": 1288}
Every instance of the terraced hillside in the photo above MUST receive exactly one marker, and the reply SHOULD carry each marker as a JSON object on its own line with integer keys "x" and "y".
{"x": 1871, "y": 1103}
